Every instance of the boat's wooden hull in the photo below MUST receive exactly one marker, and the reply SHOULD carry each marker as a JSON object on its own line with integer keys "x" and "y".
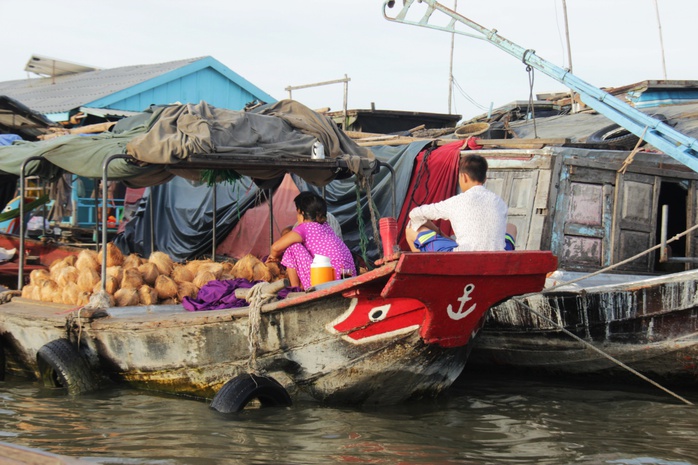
{"x": 381, "y": 337}
{"x": 650, "y": 325}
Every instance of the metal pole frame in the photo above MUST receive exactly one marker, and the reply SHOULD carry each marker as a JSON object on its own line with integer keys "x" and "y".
{"x": 105, "y": 178}
{"x": 22, "y": 180}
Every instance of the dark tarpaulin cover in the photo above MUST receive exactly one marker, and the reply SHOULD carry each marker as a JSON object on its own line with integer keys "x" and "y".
{"x": 286, "y": 130}
{"x": 183, "y": 218}
{"x": 171, "y": 134}
{"x": 183, "y": 211}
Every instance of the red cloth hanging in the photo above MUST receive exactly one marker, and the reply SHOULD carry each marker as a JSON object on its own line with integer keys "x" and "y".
{"x": 431, "y": 182}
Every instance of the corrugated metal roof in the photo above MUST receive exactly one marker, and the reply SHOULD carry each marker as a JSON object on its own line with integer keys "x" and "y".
{"x": 64, "y": 93}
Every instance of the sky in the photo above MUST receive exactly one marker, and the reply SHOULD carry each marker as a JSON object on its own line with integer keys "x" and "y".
{"x": 275, "y": 44}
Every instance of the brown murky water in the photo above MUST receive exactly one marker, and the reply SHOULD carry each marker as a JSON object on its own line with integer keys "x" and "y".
{"x": 486, "y": 419}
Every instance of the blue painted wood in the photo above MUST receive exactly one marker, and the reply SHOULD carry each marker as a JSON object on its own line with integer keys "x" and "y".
{"x": 206, "y": 79}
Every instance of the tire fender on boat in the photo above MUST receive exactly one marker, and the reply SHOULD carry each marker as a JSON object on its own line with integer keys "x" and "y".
{"x": 239, "y": 391}
{"x": 2, "y": 362}
{"x": 61, "y": 365}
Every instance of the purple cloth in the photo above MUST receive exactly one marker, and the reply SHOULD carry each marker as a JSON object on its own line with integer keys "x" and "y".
{"x": 217, "y": 295}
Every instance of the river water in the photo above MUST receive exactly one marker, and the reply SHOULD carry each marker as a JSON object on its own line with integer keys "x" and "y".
{"x": 482, "y": 419}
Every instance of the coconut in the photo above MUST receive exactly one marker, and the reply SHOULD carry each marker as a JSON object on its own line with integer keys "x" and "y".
{"x": 116, "y": 272}
{"x": 83, "y": 298}
{"x": 166, "y": 287}
{"x": 126, "y": 297}
{"x": 70, "y": 293}
{"x": 260, "y": 272}
{"x": 133, "y": 279}
{"x": 87, "y": 279}
{"x": 27, "y": 291}
{"x": 87, "y": 259}
{"x": 147, "y": 295}
{"x": 111, "y": 285}
{"x": 56, "y": 263}
{"x": 49, "y": 290}
{"x": 186, "y": 289}
{"x": 36, "y": 292}
{"x": 213, "y": 267}
{"x": 114, "y": 255}
{"x": 227, "y": 267}
{"x": 193, "y": 266}
{"x": 170, "y": 301}
{"x": 36, "y": 277}
{"x": 226, "y": 277}
{"x": 202, "y": 278}
{"x": 162, "y": 261}
{"x": 274, "y": 270}
{"x": 181, "y": 274}
{"x": 56, "y": 268}
{"x": 245, "y": 267}
{"x": 132, "y": 261}
{"x": 67, "y": 274}
{"x": 150, "y": 272}
{"x": 70, "y": 260}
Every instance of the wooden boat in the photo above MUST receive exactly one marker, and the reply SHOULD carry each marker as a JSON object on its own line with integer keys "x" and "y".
{"x": 581, "y": 206}
{"x": 650, "y": 324}
{"x": 402, "y": 330}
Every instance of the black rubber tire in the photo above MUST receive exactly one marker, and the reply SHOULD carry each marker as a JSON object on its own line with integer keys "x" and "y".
{"x": 614, "y": 136}
{"x": 2, "y": 363}
{"x": 61, "y": 365}
{"x": 239, "y": 391}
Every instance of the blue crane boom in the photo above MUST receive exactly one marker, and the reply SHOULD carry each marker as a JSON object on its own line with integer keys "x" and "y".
{"x": 662, "y": 136}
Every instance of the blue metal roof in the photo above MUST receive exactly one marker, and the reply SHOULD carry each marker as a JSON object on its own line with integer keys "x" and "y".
{"x": 134, "y": 88}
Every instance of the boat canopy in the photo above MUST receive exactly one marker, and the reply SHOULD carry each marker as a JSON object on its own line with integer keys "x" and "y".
{"x": 184, "y": 139}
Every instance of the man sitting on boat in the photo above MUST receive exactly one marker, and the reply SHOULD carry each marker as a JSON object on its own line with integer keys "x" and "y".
{"x": 312, "y": 236}
{"x": 478, "y": 216}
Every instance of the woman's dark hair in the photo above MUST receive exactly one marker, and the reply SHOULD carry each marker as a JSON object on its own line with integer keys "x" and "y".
{"x": 311, "y": 206}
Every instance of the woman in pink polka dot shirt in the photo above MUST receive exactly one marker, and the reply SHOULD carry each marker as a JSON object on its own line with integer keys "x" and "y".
{"x": 311, "y": 236}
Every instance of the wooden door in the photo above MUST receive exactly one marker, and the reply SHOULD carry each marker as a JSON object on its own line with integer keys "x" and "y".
{"x": 635, "y": 220}
{"x": 581, "y": 233}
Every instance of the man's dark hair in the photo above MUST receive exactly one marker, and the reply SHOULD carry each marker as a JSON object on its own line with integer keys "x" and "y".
{"x": 475, "y": 166}
{"x": 311, "y": 206}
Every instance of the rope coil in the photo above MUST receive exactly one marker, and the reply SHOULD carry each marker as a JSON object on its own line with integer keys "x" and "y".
{"x": 257, "y": 298}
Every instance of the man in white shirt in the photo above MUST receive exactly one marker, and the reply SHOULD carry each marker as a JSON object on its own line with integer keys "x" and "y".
{"x": 478, "y": 216}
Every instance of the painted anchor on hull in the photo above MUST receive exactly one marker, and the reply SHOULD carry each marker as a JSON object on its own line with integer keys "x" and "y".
{"x": 460, "y": 314}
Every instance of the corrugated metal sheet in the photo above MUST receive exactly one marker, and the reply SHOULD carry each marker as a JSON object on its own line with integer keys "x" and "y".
{"x": 134, "y": 88}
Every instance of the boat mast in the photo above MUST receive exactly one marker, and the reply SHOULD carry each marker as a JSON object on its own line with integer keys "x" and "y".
{"x": 661, "y": 38}
{"x": 450, "y": 67}
{"x": 573, "y": 104}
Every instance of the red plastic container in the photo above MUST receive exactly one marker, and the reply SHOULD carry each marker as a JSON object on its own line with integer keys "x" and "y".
{"x": 388, "y": 231}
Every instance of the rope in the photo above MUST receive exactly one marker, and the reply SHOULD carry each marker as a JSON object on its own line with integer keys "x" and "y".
{"x": 531, "y": 80}
{"x": 257, "y": 298}
{"x": 616, "y": 265}
{"x": 363, "y": 239}
{"x": 631, "y": 156}
{"x": 519, "y": 300}
{"x": 604, "y": 354}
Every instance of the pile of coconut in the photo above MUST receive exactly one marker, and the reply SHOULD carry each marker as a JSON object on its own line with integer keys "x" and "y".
{"x": 133, "y": 280}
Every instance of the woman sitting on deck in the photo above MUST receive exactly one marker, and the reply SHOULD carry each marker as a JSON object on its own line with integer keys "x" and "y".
{"x": 312, "y": 236}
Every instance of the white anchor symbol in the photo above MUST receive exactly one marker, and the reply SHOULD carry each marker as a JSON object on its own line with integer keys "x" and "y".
{"x": 460, "y": 314}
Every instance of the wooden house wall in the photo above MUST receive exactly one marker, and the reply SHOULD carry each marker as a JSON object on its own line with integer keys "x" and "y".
{"x": 589, "y": 214}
